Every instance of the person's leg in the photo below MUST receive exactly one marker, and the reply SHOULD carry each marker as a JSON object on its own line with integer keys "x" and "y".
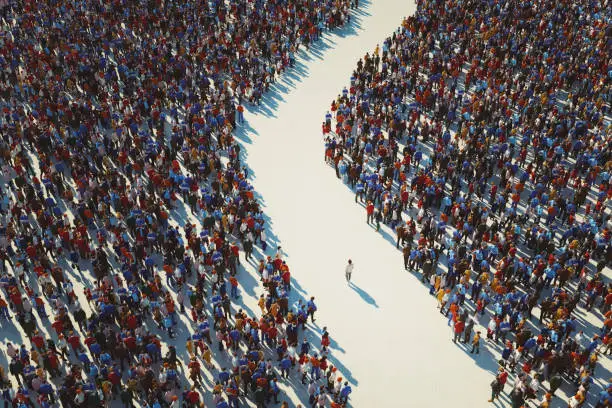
{"x": 492, "y": 395}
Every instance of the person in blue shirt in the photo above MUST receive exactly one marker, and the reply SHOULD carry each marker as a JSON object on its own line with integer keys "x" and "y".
{"x": 604, "y": 399}
{"x": 305, "y": 347}
{"x": 285, "y": 366}
{"x": 345, "y": 392}
{"x": 223, "y": 376}
{"x": 311, "y": 308}
{"x": 84, "y": 359}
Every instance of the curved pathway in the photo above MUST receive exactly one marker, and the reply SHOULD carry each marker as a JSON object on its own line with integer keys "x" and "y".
{"x": 386, "y": 328}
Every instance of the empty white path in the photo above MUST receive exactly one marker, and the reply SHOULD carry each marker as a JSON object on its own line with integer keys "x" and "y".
{"x": 396, "y": 345}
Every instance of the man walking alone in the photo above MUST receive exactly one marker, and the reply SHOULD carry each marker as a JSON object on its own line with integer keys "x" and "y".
{"x": 349, "y": 270}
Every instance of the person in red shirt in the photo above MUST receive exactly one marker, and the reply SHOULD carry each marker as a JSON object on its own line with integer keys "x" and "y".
{"x": 605, "y": 308}
{"x": 89, "y": 340}
{"x": 234, "y": 287}
{"x": 75, "y": 342}
{"x": 497, "y": 386}
{"x": 130, "y": 343}
{"x": 459, "y": 327}
{"x": 132, "y": 321}
{"x": 195, "y": 372}
{"x": 38, "y": 340}
{"x": 17, "y": 300}
{"x": 370, "y": 212}
{"x": 115, "y": 379}
{"x": 235, "y": 251}
{"x": 4, "y": 311}
{"x": 53, "y": 364}
{"x": 193, "y": 397}
{"x": 286, "y": 276}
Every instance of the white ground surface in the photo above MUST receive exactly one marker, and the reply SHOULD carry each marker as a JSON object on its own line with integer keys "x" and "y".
{"x": 395, "y": 344}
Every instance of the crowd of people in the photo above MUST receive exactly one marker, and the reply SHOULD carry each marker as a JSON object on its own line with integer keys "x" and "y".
{"x": 126, "y": 214}
{"x": 479, "y": 133}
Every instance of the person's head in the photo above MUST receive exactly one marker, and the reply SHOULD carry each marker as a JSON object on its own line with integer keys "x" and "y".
{"x": 350, "y": 262}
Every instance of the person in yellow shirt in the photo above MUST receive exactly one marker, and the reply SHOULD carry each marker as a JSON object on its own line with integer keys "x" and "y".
{"x": 476, "y": 343}
{"x": 440, "y": 297}
{"x": 207, "y": 357}
{"x": 467, "y": 274}
{"x": 484, "y": 278}
{"x": 274, "y": 309}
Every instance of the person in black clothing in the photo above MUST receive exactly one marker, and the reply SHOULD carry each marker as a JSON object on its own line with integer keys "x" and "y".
{"x": 406, "y": 253}
{"x": 260, "y": 397}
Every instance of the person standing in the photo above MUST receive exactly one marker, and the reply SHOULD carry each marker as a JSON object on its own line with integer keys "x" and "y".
{"x": 469, "y": 326}
{"x": 554, "y": 383}
{"x": 459, "y": 327}
{"x": 406, "y": 253}
{"x": 370, "y": 212}
{"x": 497, "y": 386}
{"x": 312, "y": 308}
{"x": 348, "y": 271}
{"x": 476, "y": 343}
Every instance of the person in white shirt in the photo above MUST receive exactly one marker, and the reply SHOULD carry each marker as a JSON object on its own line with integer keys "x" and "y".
{"x": 11, "y": 351}
{"x": 579, "y": 337}
{"x": 535, "y": 385}
{"x": 349, "y": 270}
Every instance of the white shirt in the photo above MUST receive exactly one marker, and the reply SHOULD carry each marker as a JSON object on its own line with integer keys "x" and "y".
{"x": 349, "y": 268}
{"x": 535, "y": 385}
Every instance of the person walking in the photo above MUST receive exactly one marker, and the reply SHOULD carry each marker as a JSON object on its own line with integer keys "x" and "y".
{"x": 348, "y": 271}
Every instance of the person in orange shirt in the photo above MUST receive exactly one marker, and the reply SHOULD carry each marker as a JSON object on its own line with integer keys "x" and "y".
{"x": 315, "y": 364}
{"x": 233, "y": 287}
{"x": 4, "y": 309}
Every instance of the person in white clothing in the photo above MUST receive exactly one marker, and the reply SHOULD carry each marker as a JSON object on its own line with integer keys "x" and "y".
{"x": 349, "y": 270}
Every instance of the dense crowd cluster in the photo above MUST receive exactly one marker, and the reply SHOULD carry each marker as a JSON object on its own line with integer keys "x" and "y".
{"x": 479, "y": 133}
{"x": 125, "y": 208}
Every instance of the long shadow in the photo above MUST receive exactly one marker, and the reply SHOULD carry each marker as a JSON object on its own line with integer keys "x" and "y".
{"x": 316, "y": 51}
{"x": 269, "y": 102}
{"x": 181, "y": 215}
{"x": 363, "y": 294}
